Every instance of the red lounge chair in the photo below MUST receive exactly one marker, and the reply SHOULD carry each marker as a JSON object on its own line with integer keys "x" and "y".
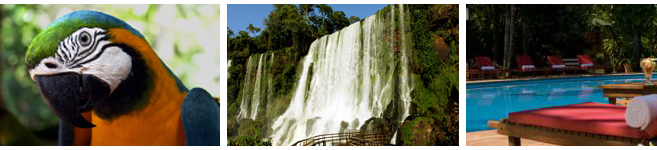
{"x": 556, "y": 63}
{"x": 585, "y": 61}
{"x": 484, "y": 63}
{"x": 578, "y": 124}
{"x": 486, "y": 66}
{"x": 525, "y": 63}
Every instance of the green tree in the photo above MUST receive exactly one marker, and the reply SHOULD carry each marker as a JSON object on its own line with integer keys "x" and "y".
{"x": 508, "y": 35}
{"x": 307, "y": 9}
{"x": 252, "y": 29}
{"x": 230, "y": 33}
{"x": 339, "y": 20}
{"x": 353, "y": 19}
{"x": 633, "y": 19}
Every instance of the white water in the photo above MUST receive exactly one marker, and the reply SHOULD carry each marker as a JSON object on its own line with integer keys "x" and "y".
{"x": 352, "y": 79}
{"x": 270, "y": 88}
{"x": 246, "y": 89}
{"x": 228, "y": 66}
{"x": 256, "y": 90}
{"x": 252, "y": 91}
{"x": 405, "y": 81}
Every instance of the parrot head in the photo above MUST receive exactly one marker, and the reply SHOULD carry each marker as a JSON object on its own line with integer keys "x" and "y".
{"x": 88, "y": 60}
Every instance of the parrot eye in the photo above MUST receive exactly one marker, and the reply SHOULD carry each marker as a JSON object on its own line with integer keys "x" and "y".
{"x": 51, "y": 65}
{"x": 85, "y": 39}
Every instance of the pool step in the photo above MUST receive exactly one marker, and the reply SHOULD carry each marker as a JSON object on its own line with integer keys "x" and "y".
{"x": 493, "y": 123}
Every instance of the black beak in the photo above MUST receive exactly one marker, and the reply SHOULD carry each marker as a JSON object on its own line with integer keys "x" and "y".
{"x": 69, "y": 94}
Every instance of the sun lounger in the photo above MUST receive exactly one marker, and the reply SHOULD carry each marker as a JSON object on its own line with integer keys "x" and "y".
{"x": 484, "y": 63}
{"x": 579, "y": 124}
{"x": 557, "y": 64}
{"x": 525, "y": 64}
{"x": 586, "y": 63}
{"x": 571, "y": 62}
{"x": 486, "y": 66}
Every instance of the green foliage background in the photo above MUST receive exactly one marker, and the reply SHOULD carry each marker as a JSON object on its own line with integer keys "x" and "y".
{"x": 186, "y": 37}
{"x": 604, "y": 31}
{"x": 289, "y": 31}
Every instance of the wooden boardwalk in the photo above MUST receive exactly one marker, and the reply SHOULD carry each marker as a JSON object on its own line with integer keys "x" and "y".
{"x": 491, "y": 138}
{"x": 353, "y": 138}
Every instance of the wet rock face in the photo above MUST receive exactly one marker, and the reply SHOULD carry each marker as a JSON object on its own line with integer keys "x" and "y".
{"x": 377, "y": 125}
{"x": 418, "y": 131}
{"x": 343, "y": 126}
{"x": 441, "y": 13}
{"x": 441, "y": 47}
{"x": 430, "y": 130}
{"x": 424, "y": 132}
{"x": 232, "y": 127}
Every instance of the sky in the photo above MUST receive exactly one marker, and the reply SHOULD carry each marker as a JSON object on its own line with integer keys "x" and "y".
{"x": 240, "y": 15}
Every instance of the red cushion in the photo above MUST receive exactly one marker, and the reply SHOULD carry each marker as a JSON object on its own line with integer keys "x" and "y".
{"x": 584, "y": 59}
{"x": 555, "y": 60}
{"x": 524, "y": 60}
{"x": 483, "y": 61}
{"x": 587, "y": 117}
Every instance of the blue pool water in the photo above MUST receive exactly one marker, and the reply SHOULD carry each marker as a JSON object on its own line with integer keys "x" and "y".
{"x": 495, "y": 100}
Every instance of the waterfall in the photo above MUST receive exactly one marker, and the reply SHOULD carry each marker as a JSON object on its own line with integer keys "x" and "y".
{"x": 256, "y": 90}
{"x": 405, "y": 81}
{"x": 270, "y": 87}
{"x": 253, "y": 91}
{"x": 247, "y": 91}
{"x": 348, "y": 77}
{"x": 228, "y": 66}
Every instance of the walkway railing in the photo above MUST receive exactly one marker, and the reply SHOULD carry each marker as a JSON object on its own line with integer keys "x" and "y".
{"x": 351, "y": 138}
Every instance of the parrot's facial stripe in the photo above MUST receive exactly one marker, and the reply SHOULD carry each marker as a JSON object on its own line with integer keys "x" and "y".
{"x": 82, "y": 46}
{"x": 88, "y": 51}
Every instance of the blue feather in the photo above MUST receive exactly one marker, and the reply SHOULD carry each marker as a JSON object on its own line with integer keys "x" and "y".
{"x": 200, "y": 117}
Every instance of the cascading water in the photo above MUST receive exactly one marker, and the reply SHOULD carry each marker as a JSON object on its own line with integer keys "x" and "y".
{"x": 247, "y": 91}
{"x": 347, "y": 77}
{"x": 228, "y": 66}
{"x": 256, "y": 90}
{"x": 270, "y": 88}
{"x": 253, "y": 91}
{"x": 405, "y": 82}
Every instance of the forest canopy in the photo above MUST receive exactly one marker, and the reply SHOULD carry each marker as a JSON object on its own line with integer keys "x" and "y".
{"x": 287, "y": 34}
{"x": 612, "y": 34}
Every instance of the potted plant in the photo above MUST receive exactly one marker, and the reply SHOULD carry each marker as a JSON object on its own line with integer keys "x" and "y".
{"x": 616, "y": 54}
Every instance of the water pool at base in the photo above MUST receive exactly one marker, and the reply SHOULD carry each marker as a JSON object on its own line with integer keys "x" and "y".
{"x": 495, "y": 100}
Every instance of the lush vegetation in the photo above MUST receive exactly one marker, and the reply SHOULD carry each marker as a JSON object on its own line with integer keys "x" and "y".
{"x": 289, "y": 31}
{"x": 435, "y": 96}
{"x": 179, "y": 46}
{"x": 613, "y": 34}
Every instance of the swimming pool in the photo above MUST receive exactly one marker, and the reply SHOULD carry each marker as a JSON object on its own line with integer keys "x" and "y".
{"x": 495, "y": 100}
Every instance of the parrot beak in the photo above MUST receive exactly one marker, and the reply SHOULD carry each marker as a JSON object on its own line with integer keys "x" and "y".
{"x": 69, "y": 94}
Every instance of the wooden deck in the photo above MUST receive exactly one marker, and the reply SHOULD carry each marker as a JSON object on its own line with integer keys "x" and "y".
{"x": 491, "y": 138}
{"x": 353, "y": 138}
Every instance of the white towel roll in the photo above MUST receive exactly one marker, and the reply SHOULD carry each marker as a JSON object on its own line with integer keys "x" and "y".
{"x": 587, "y": 65}
{"x": 487, "y": 67}
{"x": 641, "y": 110}
{"x": 558, "y": 66}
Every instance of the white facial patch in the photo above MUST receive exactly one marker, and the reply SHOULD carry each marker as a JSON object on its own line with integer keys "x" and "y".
{"x": 113, "y": 66}
{"x": 82, "y": 52}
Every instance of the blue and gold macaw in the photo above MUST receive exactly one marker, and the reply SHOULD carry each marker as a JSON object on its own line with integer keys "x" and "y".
{"x": 88, "y": 61}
